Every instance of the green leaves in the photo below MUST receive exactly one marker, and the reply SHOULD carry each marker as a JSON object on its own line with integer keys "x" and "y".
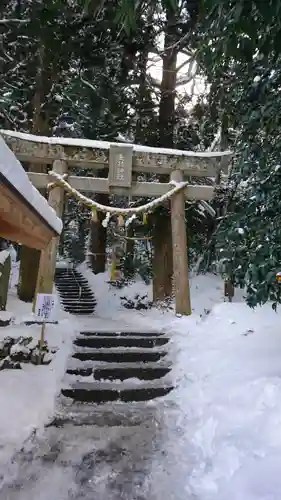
{"x": 241, "y": 52}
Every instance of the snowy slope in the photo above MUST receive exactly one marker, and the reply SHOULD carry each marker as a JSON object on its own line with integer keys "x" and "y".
{"x": 226, "y": 409}
{"x": 12, "y": 170}
{"x": 27, "y": 396}
{"x": 220, "y": 427}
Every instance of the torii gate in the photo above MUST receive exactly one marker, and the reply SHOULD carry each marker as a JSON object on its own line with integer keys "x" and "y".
{"x": 120, "y": 160}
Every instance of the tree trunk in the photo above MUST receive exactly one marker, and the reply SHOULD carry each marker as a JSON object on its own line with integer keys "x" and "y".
{"x": 142, "y": 98}
{"x": 128, "y": 266}
{"x": 98, "y": 237}
{"x": 168, "y": 83}
{"x": 40, "y": 125}
{"x": 5, "y": 271}
{"x": 163, "y": 257}
{"x": 29, "y": 265}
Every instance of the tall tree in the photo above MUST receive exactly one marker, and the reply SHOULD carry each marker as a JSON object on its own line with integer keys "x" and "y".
{"x": 179, "y": 22}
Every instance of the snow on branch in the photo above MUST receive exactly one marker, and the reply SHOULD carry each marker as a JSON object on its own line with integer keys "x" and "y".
{"x": 12, "y": 20}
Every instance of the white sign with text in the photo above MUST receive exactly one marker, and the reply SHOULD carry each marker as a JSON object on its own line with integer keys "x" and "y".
{"x": 46, "y": 307}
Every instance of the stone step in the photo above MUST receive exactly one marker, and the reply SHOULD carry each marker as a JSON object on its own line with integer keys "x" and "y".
{"x": 101, "y": 392}
{"x": 81, "y": 310}
{"x": 80, "y": 303}
{"x": 82, "y": 307}
{"x": 76, "y": 364}
{"x": 70, "y": 270}
{"x": 72, "y": 298}
{"x": 128, "y": 355}
{"x": 76, "y": 300}
{"x": 106, "y": 333}
{"x": 82, "y": 300}
{"x": 122, "y": 371}
{"x": 108, "y": 414}
{"x": 77, "y": 291}
{"x": 128, "y": 341}
{"x": 75, "y": 277}
{"x": 79, "y": 307}
{"x": 63, "y": 275}
{"x": 73, "y": 288}
{"x": 76, "y": 296}
{"x": 72, "y": 280}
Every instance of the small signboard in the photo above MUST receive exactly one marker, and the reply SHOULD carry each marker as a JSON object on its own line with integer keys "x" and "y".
{"x": 46, "y": 307}
{"x": 120, "y": 166}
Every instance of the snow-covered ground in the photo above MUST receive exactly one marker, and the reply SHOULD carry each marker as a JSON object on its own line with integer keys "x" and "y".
{"x": 228, "y": 374}
{"x": 27, "y": 396}
{"x": 227, "y": 396}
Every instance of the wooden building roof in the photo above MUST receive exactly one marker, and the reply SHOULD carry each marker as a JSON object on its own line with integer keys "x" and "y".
{"x": 25, "y": 215}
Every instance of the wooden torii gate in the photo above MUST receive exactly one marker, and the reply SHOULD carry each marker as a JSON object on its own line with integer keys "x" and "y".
{"x": 121, "y": 160}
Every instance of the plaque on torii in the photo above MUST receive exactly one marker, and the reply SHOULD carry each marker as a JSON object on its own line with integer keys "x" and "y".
{"x": 120, "y": 167}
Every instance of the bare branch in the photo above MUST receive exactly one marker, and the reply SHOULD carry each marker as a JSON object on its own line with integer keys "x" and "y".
{"x": 16, "y": 21}
{"x": 184, "y": 80}
{"x": 216, "y": 141}
{"x": 4, "y": 114}
{"x": 153, "y": 81}
{"x": 88, "y": 84}
{"x": 189, "y": 61}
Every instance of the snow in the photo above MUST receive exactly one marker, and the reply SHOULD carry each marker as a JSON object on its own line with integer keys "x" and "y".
{"x": 27, "y": 396}
{"x": 226, "y": 407}
{"x": 228, "y": 376}
{"x": 87, "y": 143}
{"x": 13, "y": 171}
{"x": 3, "y": 256}
{"x": 206, "y": 207}
{"x": 5, "y": 316}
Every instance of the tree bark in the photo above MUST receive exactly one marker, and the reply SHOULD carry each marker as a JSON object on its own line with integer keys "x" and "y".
{"x": 40, "y": 126}
{"x": 163, "y": 257}
{"x": 98, "y": 236}
{"x": 142, "y": 95}
{"x": 5, "y": 271}
{"x": 29, "y": 265}
{"x": 168, "y": 83}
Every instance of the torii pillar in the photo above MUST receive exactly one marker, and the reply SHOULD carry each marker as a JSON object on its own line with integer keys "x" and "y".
{"x": 179, "y": 244}
{"x": 48, "y": 256}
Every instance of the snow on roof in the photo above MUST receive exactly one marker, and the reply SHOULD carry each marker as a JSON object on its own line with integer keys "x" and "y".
{"x": 4, "y": 254}
{"x": 13, "y": 171}
{"x": 87, "y": 143}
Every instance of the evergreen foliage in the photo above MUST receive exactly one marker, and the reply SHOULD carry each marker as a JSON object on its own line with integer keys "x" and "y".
{"x": 240, "y": 51}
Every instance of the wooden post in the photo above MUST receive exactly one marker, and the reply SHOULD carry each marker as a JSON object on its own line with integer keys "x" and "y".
{"x": 179, "y": 241}
{"x": 48, "y": 256}
{"x": 229, "y": 289}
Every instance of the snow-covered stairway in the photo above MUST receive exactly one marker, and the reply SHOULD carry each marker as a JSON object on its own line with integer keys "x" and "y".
{"x": 75, "y": 293}
{"x": 118, "y": 366}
